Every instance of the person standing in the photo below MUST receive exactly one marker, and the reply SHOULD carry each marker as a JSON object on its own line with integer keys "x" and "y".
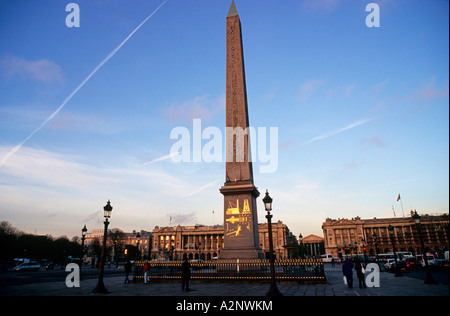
{"x": 128, "y": 267}
{"x": 347, "y": 270}
{"x": 360, "y": 273}
{"x": 146, "y": 269}
{"x": 185, "y": 273}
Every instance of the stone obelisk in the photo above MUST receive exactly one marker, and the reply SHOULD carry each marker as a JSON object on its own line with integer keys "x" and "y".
{"x": 241, "y": 236}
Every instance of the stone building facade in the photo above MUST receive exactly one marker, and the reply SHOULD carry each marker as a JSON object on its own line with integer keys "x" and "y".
{"x": 205, "y": 242}
{"x": 118, "y": 243}
{"x": 356, "y": 235}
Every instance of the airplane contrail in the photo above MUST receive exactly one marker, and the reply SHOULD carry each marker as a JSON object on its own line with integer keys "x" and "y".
{"x": 361, "y": 122}
{"x": 48, "y": 119}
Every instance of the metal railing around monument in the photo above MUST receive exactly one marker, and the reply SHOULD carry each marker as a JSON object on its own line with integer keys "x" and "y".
{"x": 301, "y": 270}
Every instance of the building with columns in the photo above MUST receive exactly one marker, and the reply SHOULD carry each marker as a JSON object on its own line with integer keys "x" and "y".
{"x": 198, "y": 242}
{"x": 282, "y": 237}
{"x": 356, "y": 235}
{"x": 205, "y": 242}
{"x": 312, "y": 246}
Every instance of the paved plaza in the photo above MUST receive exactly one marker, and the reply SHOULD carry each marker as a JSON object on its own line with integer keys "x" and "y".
{"x": 389, "y": 286}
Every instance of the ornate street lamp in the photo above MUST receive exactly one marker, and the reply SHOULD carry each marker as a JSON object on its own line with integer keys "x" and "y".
{"x": 429, "y": 279}
{"x": 363, "y": 241}
{"x": 391, "y": 235}
{"x": 100, "y": 287}
{"x": 83, "y": 238}
{"x": 375, "y": 238}
{"x": 300, "y": 237}
{"x": 138, "y": 236}
{"x": 273, "y": 291}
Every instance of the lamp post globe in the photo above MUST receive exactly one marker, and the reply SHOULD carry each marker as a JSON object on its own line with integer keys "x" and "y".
{"x": 107, "y": 210}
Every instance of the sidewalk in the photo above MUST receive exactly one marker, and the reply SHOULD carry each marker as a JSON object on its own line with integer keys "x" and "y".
{"x": 389, "y": 286}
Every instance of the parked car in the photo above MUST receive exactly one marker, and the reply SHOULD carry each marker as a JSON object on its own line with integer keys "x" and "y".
{"x": 390, "y": 265}
{"x": 28, "y": 266}
{"x": 430, "y": 258}
{"x": 412, "y": 263}
{"x": 439, "y": 264}
{"x": 50, "y": 266}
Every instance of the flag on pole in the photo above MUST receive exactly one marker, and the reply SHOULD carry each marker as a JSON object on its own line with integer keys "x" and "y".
{"x": 398, "y": 198}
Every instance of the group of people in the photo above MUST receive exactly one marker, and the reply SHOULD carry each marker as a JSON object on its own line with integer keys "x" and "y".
{"x": 347, "y": 270}
{"x": 185, "y": 272}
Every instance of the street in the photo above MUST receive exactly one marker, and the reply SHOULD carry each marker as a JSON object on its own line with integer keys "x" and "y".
{"x": 441, "y": 277}
{"x": 52, "y": 283}
{"x": 10, "y": 277}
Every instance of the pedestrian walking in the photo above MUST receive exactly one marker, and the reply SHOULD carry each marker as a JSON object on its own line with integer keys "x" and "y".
{"x": 128, "y": 267}
{"x": 185, "y": 273}
{"x": 332, "y": 262}
{"x": 360, "y": 273}
{"x": 146, "y": 270}
{"x": 347, "y": 270}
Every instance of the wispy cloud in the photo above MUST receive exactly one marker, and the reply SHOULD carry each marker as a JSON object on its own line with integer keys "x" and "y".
{"x": 180, "y": 219}
{"x": 338, "y": 131}
{"x": 203, "y": 107}
{"x": 428, "y": 92}
{"x": 45, "y": 168}
{"x": 163, "y": 158}
{"x": 320, "y": 5}
{"x": 73, "y": 185}
{"x": 308, "y": 88}
{"x": 202, "y": 188}
{"x": 94, "y": 218}
{"x": 374, "y": 141}
{"x": 43, "y": 70}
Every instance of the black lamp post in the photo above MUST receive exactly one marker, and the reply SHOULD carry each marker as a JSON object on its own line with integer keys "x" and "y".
{"x": 391, "y": 235}
{"x": 83, "y": 238}
{"x": 429, "y": 279}
{"x": 138, "y": 236}
{"x": 100, "y": 287}
{"x": 375, "y": 238}
{"x": 364, "y": 252}
{"x": 300, "y": 237}
{"x": 273, "y": 291}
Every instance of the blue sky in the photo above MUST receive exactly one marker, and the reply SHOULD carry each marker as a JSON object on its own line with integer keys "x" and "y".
{"x": 362, "y": 113}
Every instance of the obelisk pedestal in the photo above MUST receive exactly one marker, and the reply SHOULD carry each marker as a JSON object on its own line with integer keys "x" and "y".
{"x": 241, "y": 236}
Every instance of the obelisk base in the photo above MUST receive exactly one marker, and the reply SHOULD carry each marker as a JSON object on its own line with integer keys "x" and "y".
{"x": 232, "y": 254}
{"x": 241, "y": 234}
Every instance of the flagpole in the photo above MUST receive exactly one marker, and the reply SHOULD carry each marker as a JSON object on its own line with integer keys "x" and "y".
{"x": 401, "y": 203}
